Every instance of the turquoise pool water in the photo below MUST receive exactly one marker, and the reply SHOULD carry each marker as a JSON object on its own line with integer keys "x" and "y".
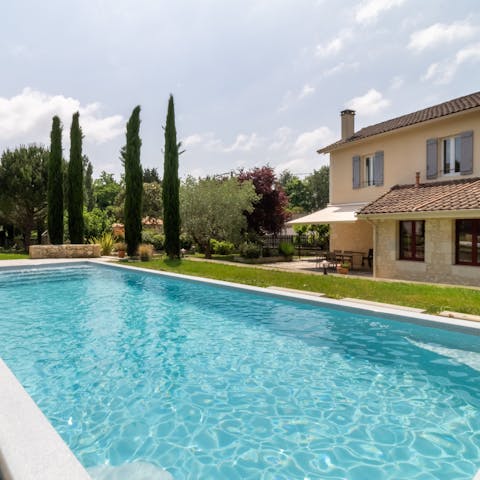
{"x": 214, "y": 383}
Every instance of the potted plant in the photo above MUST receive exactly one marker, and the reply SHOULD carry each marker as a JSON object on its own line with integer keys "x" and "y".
{"x": 121, "y": 248}
{"x": 343, "y": 268}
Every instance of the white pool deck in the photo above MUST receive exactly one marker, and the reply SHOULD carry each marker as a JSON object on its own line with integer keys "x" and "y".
{"x": 31, "y": 449}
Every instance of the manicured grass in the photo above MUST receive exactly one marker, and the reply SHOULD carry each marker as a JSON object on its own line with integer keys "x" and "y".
{"x": 431, "y": 298}
{"x": 12, "y": 256}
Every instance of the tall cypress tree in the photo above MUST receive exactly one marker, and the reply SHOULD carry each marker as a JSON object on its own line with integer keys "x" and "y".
{"x": 88, "y": 184}
{"x": 55, "y": 184}
{"x": 171, "y": 186}
{"x": 75, "y": 183}
{"x": 133, "y": 183}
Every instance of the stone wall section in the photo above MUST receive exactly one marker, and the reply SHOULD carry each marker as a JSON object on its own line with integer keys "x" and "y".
{"x": 65, "y": 251}
{"x": 439, "y": 265}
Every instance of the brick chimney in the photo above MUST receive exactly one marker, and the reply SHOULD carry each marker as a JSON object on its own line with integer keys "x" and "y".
{"x": 348, "y": 123}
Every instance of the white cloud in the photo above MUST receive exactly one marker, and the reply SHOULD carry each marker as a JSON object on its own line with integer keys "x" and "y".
{"x": 243, "y": 143}
{"x": 439, "y": 33}
{"x": 397, "y": 82}
{"x": 310, "y": 142}
{"x": 341, "y": 67}
{"x": 27, "y": 117}
{"x": 369, "y": 104}
{"x": 306, "y": 91}
{"x": 442, "y": 73}
{"x": 335, "y": 45}
{"x": 191, "y": 140}
{"x": 281, "y": 138}
{"x": 369, "y": 10}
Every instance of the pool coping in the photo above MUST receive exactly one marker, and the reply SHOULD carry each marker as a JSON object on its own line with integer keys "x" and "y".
{"x": 26, "y": 429}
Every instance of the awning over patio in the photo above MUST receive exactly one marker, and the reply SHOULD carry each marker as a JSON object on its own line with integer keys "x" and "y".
{"x": 344, "y": 212}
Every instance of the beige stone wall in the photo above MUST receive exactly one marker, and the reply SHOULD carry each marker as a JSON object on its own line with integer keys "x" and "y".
{"x": 404, "y": 154}
{"x": 356, "y": 236}
{"x": 439, "y": 265}
{"x": 65, "y": 251}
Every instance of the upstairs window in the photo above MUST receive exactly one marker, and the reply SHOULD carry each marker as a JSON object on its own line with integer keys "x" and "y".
{"x": 467, "y": 244}
{"x": 451, "y": 152}
{"x": 412, "y": 240}
{"x": 367, "y": 170}
{"x": 450, "y": 156}
{"x": 369, "y": 167}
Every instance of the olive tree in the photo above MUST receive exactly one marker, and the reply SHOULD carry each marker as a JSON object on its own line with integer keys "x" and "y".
{"x": 213, "y": 208}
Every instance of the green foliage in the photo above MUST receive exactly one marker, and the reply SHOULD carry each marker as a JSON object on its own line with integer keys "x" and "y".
{"x": 75, "y": 183}
{"x": 250, "y": 250}
{"x": 214, "y": 208}
{"x": 106, "y": 242}
{"x": 150, "y": 175}
{"x": 105, "y": 190}
{"x": 316, "y": 234}
{"x": 23, "y": 188}
{"x": 89, "y": 200}
{"x": 153, "y": 238}
{"x": 318, "y": 183}
{"x": 152, "y": 200}
{"x": 96, "y": 223}
{"x": 171, "y": 186}
{"x": 286, "y": 249}
{"x": 222, "y": 247}
{"x": 55, "y": 184}
{"x": 133, "y": 184}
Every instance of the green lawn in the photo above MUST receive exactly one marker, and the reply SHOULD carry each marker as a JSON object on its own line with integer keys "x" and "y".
{"x": 431, "y": 298}
{"x": 12, "y": 256}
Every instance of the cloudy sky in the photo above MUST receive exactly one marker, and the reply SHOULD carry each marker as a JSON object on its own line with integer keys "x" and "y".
{"x": 254, "y": 81}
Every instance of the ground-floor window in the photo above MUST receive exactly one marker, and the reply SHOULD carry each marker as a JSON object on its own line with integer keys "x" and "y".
{"x": 467, "y": 242}
{"x": 412, "y": 240}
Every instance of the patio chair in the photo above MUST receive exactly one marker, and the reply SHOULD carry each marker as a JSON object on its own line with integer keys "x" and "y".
{"x": 368, "y": 257}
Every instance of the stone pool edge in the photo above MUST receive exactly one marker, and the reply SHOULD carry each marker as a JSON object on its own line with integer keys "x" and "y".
{"x": 50, "y": 458}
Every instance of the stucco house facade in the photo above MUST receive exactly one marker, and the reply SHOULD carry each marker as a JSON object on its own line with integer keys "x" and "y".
{"x": 409, "y": 188}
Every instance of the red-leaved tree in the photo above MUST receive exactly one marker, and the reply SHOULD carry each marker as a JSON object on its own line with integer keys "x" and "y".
{"x": 269, "y": 214}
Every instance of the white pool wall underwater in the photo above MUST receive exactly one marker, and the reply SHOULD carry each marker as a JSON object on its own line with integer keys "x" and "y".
{"x": 31, "y": 449}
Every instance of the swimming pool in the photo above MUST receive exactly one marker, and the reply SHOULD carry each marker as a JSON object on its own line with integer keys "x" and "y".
{"x": 208, "y": 382}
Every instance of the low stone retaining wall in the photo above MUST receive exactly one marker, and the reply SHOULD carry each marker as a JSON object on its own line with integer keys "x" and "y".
{"x": 65, "y": 251}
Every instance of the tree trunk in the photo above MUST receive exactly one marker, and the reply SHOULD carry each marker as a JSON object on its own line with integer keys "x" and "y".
{"x": 208, "y": 251}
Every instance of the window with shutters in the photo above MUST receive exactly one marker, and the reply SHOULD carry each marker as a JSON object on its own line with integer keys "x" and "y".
{"x": 367, "y": 170}
{"x": 369, "y": 165}
{"x": 451, "y": 151}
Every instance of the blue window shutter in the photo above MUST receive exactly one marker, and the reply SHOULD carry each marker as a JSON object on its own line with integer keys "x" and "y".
{"x": 466, "y": 153}
{"x": 356, "y": 171}
{"x": 432, "y": 158}
{"x": 378, "y": 169}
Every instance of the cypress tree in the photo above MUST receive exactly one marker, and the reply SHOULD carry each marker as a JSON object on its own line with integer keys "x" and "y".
{"x": 88, "y": 184}
{"x": 133, "y": 183}
{"x": 55, "y": 184}
{"x": 171, "y": 186}
{"x": 75, "y": 183}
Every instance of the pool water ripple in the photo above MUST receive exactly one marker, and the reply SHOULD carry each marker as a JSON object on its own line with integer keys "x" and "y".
{"x": 207, "y": 382}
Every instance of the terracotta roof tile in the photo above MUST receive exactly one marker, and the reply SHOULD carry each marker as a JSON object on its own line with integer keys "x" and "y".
{"x": 461, "y": 194}
{"x": 446, "y": 108}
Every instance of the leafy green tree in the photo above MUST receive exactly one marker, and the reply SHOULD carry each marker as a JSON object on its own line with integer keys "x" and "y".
{"x": 97, "y": 222}
{"x": 133, "y": 184}
{"x": 152, "y": 200}
{"x": 214, "y": 208}
{"x": 55, "y": 184}
{"x": 171, "y": 186}
{"x": 318, "y": 183}
{"x": 75, "y": 183}
{"x": 299, "y": 195}
{"x": 23, "y": 188}
{"x": 150, "y": 175}
{"x": 89, "y": 200}
{"x": 106, "y": 190}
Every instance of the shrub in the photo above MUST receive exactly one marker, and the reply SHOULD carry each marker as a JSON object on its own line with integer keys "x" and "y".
{"x": 222, "y": 247}
{"x": 145, "y": 250}
{"x": 185, "y": 242}
{"x": 286, "y": 249}
{"x": 106, "y": 242}
{"x": 250, "y": 250}
{"x": 120, "y": 246}
{"x": 155, "y": 239}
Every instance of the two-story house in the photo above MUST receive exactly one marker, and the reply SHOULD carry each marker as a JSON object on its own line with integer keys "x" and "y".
{"x": 409, "y": 188}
